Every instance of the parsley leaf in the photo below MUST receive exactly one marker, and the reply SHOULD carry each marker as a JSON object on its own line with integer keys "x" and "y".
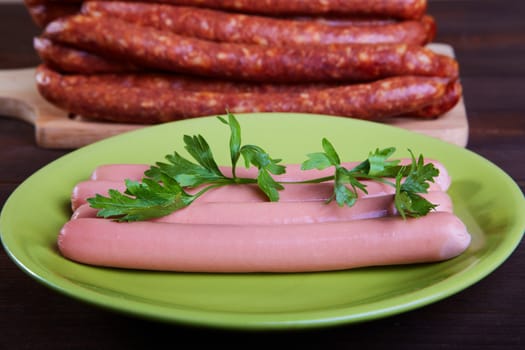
{"x": 185, "y": 172}
{"x": 199, "y": 149}
{"x": 418, "y": 176}
{"x": 235, "y": 139}
{"x": 346, "y": 181}
{"x": 407, "y": 200}
{"x": 322, "y": 160}
{"x": 409, "y": 203}
{"x": 255, "y": 155}
{"x": 377, "y": 167}
{"x": 377, "y": 164}
{"x": 142, "y": 200}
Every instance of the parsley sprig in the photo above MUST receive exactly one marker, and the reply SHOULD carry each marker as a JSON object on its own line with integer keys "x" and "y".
{"x": 162, "y": 190}
{"x": 377, "y": 167}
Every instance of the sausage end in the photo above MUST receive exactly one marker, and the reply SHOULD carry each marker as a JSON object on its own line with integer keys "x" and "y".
{"x": 458, "y": 240}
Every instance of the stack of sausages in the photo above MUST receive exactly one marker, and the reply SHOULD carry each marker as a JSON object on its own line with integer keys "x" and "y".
{"x": 145, "y": 62}
{"x": 234, "y": 229}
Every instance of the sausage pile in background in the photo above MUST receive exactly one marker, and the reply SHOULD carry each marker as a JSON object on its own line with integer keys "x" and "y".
{"x": 152, "y": 62}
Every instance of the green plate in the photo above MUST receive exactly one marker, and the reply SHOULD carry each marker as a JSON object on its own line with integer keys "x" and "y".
{"x": 487, "y": 200}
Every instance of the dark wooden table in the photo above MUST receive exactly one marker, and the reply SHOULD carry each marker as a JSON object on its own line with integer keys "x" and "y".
{"x": 489, "y": 39}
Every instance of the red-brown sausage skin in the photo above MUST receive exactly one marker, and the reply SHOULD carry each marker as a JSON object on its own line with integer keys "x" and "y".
{"x": 401, "y": 9}
{"x": 67, "y": 59}
{"x": 44, "y": 13}
{"x": 429, "y": 23}
{"x": 397, "y": 9}
{"x": 53, "y": 2}
{"x": 171, "y": 52}
{"x": 444, "y": 104}
{"x": 117, "y": 76}
{"x": 239, "y": 28}
{"x": 109, "y": 99}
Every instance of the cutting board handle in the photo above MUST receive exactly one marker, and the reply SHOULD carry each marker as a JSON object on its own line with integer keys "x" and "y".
{"x": 17, "y": 94}
{"x": 20, "y": 99}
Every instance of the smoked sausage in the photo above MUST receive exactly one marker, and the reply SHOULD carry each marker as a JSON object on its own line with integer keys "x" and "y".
{"x": 444, "y": 104}
{"x": 223, "y": 26}
{"x": 71, "y": 60}
{"x": 401, "y": 9}
{"x": 98, "y": 98}
{"x": 43, "y": 13}
{"x": 156, "y": 49}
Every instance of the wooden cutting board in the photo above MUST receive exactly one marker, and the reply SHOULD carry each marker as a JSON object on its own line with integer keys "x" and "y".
{"x": 20, "y": 99}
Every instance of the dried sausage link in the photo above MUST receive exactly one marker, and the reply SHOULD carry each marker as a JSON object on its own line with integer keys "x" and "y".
{"x": 430, "y": 27}
{"x": 71, "y": 60}
{"x": 444, "y": 104}
{"x": 230, "y": 27}
{"x": 345, "y": 21}
{"x": 110, "y": 99}
{"x": 76, "y": 61}
{"x": 64, "y": 59}
{"x": 401, "y": 9}
{"x": 52, "y": 2}
{"x": 398, "y": 9}
{"x": 44, "y": 13}
{"x": 156, "y": 49}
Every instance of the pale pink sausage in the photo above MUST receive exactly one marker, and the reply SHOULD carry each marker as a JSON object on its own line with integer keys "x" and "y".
{"x": 229, "y": 193}
{"x": 84, "y": 211}
{"x": 263, "y": 248}
{"x": 282, "y": 213}
{"x": 235, "y": 193}
{"x": 119, "y": 172}
{"x": 87, "y": 189}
